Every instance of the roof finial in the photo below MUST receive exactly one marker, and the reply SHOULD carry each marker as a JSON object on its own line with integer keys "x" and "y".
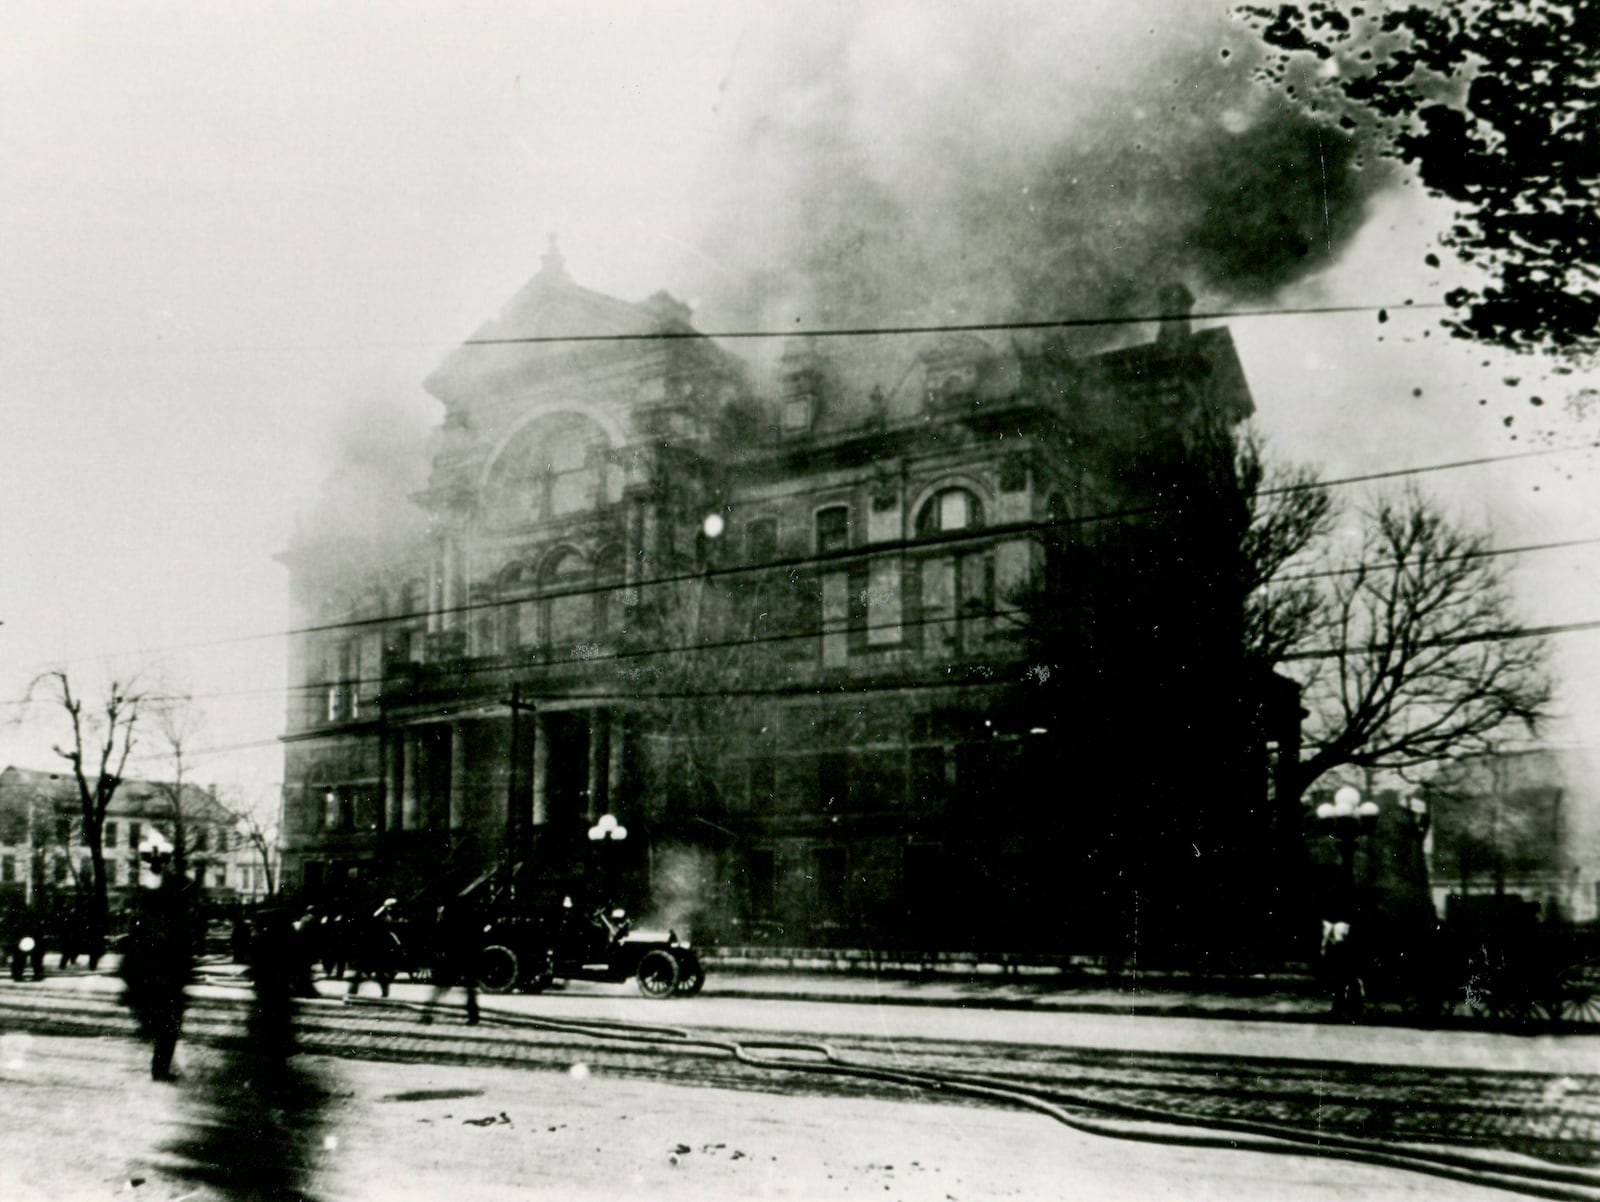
{"x": 551, "y": 263}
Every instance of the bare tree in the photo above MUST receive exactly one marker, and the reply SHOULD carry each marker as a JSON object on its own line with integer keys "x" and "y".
{"x": 1416, "y": 656}
{"x": 1289, "y": 516}
{"x": 177, "y": 724}
{"x": 257, "y": 824}
{"x": 101, "y": 737}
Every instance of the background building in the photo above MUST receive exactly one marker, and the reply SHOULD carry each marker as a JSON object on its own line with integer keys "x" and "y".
{"x": 43, "y": 859}
{"x": 923, "y": 640}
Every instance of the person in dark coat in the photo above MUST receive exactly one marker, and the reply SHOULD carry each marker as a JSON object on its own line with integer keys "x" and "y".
{"x": 156, "y": 967}
{"x": 456, "y": 939}
{"x": 24, "y": 937}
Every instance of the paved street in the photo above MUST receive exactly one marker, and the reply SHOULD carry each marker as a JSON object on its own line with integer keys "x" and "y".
{"x": 1495, "y": 1094}
{"x": 428, "y": 1131}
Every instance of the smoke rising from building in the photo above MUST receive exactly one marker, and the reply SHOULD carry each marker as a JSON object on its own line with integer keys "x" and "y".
{"x": 909, "y": 162}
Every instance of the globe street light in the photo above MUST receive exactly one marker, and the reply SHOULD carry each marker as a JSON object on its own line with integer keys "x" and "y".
{"x": 1345, "y": 819}
{"x": 606, "y": 831}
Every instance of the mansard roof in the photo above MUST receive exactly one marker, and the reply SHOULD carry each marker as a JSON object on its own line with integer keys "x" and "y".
{"x": 133, "y": 798}
{"x": 550, "y": 318}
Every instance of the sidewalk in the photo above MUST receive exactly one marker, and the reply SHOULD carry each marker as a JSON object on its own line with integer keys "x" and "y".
{"x": 1285, "y": 997}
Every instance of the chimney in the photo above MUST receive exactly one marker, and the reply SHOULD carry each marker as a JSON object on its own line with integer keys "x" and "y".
{"x": 1174, "y": 303}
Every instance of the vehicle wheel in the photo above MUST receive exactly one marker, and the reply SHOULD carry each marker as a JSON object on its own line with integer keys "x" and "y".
{"x": 658, "y": 974}
{"x": 498, "y": 969}
{"x": 691, "y": 974}
{"x": 1580, "y": 995}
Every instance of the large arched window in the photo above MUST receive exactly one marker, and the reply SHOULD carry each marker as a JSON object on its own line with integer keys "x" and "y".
{"x": 949, "y": 510}
{"x": 553, "y": 466}
{"x": 569, "y": 616}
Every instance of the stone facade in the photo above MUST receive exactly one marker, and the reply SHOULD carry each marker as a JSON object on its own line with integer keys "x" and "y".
{"x": 800, "y": 624}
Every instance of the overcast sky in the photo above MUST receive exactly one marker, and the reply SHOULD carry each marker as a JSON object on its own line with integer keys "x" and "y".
{"x": 231, "y": 235}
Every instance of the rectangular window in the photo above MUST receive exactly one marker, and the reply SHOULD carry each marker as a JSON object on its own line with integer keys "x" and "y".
{"x": 760, "y": 873}
{"x": 761, "y": 540}
{"x": 112, "y": 867}
{"x": 335, "y": 703}
{"x": 833, "y": 529}
{"x": 763, "y": 777}
{"x": 833, "y": 781}
{"x": 883, "y": 602}
{"x": 829, "y": 870}
{"x": 1013, "y": 474}
{"x": 110, "y": 839}
{"x": 928, "y": 789}
{"x": 8, "y": 869}
{"x": 954, "y": 511}
{"x": 835, "y": 619}
{"x": 202, "y": 839}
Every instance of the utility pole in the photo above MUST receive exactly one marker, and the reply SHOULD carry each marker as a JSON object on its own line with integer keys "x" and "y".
{"x": 515, "y": 829}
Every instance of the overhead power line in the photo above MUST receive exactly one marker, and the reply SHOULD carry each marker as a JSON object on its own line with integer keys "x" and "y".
{"x": 976, "y": 327}
{"x": 711, "y": 573}
{"x": 844, "y": 689}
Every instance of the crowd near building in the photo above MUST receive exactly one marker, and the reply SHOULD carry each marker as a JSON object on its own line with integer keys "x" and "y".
{"x": 909, "y": 640}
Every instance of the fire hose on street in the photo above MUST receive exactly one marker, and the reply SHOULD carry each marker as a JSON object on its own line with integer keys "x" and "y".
{"x": 807, "y": 1056}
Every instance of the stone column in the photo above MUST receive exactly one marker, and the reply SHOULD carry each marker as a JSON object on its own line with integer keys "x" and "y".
{"x": 410, "y": 801}
{"x": 458, "y": 775}
{"x": 614, "y": 794}
{"x": 450, "y": 588}
{"x": 435, "y": 588}
{"x": 595, "y": 794}
{"x": 393, "y": 778}
{"x": 541, "y": 765}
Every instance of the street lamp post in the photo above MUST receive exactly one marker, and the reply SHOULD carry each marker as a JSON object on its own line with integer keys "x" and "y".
{"x": 1346, "y": 819}
{"x": 605, "y": 831}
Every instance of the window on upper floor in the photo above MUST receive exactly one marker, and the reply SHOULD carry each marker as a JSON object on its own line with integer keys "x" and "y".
{"x": 109, "y": 837}
{"x": 611, "y": 597}
{"x": 761, "y": 540}
{"x": 1014, "y": 474}
{"x": 949, "y": 510}
{"x": 569, "y": 615}
{"x": 833, "y": 529}
{"x": 554, "y": 466}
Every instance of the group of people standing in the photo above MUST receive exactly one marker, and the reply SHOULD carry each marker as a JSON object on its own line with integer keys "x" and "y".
{"x": 280, "y": 947}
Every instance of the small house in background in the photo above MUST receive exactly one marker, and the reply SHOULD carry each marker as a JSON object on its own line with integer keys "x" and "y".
{"x": 44, "y": 860}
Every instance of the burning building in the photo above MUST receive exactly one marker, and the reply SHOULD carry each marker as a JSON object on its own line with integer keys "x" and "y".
{"x": 913, "y": 640}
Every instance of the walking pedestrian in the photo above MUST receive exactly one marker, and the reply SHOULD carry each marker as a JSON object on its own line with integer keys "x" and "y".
{"x": 375, "y": 948}
{"x": 156, "y": 967}
{"x": 455, "y": 941}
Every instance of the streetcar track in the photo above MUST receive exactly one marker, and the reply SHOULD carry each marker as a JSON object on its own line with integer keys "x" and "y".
{"x": 1362, "y": 1100}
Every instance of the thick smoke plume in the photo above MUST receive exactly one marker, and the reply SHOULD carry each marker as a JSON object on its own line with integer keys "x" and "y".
{"x": 912, "y": 162}
{"x": 365, "y": 521}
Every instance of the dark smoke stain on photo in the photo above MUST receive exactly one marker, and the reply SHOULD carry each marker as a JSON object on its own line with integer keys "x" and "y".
{"x": 1015, "y": 162}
